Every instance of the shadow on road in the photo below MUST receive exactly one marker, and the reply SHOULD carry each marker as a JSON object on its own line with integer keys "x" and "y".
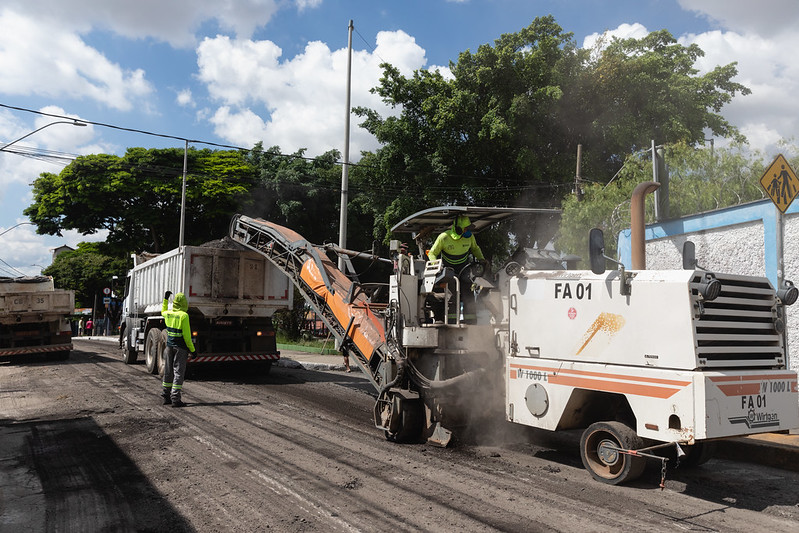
{"x": 69, "y": 475}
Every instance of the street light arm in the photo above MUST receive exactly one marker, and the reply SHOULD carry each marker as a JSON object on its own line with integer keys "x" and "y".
{"x": 16, "y": 225}
{"x": 74, "y": 123}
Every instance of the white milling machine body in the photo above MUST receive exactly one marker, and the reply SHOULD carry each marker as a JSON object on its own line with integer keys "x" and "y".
{"x": 650, "y": 363}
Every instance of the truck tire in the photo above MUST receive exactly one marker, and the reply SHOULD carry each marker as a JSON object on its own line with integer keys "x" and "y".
{"x": 161, "y": 347}
{"x": 151, "y": 345}
{"x": 606, "y": 464}
{"x": 129, "y": 355}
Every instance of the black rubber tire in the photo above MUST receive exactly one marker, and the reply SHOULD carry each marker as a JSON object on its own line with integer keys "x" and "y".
{"x": 161, "y": 347}
{"x": 129, "y": 355}
{"x": 605, "y": 464}
{"x": 151, "y": 350}
{"x": 411, "y": 422}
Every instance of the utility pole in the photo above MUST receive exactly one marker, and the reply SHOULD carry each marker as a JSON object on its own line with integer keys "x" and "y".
{"x": 342, "y": 226}
{"x": 183, "y": 194}
{"x": 578, "y": 191}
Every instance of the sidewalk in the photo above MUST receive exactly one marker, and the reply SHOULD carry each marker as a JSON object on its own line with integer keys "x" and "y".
{"x": 770, "y": 449}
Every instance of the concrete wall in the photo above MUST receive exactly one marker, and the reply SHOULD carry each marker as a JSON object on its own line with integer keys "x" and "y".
{"x": 740, "y": 240}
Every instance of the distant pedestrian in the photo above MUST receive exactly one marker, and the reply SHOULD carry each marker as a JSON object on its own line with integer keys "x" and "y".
{"x": 89, "y": 325}
{"x": 179, "y": 348}
{"x": 80, "y": 327}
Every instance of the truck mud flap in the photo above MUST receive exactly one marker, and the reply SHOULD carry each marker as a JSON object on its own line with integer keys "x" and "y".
{"x": 35, "y": 349}
{"x": 221, "y": 358}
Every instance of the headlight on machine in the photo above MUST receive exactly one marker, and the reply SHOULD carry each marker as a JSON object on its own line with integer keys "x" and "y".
{"x": 710, "y": 288}
{"x": 788, "y": 293}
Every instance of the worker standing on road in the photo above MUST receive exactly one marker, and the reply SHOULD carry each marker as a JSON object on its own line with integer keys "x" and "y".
{"x": 179, "y": 347}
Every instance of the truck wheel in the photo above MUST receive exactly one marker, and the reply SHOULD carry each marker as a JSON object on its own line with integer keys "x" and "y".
{"x": 410, "y": 422}
{"x": 151, "y": 350}
{"x": 161, "y": 347}
{"x": 129, "y": 355}
{"x": 598, "y": 450}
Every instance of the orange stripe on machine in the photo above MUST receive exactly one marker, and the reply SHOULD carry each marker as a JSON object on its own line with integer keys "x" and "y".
{"x": 637, "y": 385}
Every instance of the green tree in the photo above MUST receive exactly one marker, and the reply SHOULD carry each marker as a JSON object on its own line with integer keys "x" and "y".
{"x": 504, "y": 129}
{"x": 699, "y": 180}
{"x": 137, "y": 197}
{"x": 87, "y": 271}
{"x": 298, "y": 192}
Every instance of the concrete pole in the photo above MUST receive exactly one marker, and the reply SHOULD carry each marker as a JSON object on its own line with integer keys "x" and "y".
{"x": 342, "y": 226}
{"x": 183, "y": 194}
{"x": 637, "y": 227}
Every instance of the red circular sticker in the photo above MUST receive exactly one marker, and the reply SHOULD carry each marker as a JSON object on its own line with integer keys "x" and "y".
{"x": 572, "y": 313}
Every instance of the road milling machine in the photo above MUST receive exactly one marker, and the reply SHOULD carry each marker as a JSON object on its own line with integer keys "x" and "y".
{"x": 648, "y": 364}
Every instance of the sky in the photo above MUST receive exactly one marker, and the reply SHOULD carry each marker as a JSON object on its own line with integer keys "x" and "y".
{"x": 235, "y": 72}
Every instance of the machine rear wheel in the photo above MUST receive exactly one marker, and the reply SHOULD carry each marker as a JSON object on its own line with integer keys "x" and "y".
{"x": 409, "y": 422}
{"x": 151, "y": 353}
{"x": 161, "y": 347}
{"x": 599, "y": 450}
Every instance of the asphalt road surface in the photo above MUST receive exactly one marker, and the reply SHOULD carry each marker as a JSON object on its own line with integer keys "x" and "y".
{"x": 86, "y": 446}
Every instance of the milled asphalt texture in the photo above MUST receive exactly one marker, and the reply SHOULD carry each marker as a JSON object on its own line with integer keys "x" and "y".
{"x": 777, "y": 450}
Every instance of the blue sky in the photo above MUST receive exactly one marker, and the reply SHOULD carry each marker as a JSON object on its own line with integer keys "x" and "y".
{"x": 241, "y": 71}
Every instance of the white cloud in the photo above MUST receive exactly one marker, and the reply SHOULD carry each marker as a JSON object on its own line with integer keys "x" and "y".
{"x": 624, "y": 31}
{"x": 173, "y": 21}
{"x": 772, "y": 110}
{"x": 47, "y": 60}
{"x": 52, "y": 145}
{"x": 296, "y": 102}
{"x": 184, "y": 98}
{"x": 765, "y": 18}
{"x": 28, "y": 252}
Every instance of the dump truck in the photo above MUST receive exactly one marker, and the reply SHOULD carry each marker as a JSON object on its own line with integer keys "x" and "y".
{"x": 232, "y": 292}
{"x": 648, "y": 365}
{"x": 34, "y": 317}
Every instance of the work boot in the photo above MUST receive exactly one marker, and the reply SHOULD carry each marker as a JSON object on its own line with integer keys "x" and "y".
{"x": 166, "y": 400}
{"x": 178, "y": 403}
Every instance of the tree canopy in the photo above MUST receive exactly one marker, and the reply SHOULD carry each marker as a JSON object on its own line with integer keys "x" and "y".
{"x": 504, "y": 128}
{"x": 137, "y": 197}
{"x": 699, "y": 180}
{"x": 87, "y": 271}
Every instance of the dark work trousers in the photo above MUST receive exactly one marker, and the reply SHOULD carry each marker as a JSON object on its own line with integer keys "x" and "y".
{"x": 175, "y": 360}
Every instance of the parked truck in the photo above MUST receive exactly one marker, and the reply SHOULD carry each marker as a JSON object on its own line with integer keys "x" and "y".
{"x": 647, "y": 364}
{"x": 232, "y": 294}
{"x": 34, "y": 317}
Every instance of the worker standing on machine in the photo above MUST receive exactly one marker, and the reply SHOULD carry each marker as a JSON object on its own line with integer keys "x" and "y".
{"x": 455, "y": 246}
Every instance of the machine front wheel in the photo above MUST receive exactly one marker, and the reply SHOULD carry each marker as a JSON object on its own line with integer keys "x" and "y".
{"x": 600, "y": 450}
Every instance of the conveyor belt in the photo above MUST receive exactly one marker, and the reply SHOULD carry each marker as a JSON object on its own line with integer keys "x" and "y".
{"x": 342, "y": 306}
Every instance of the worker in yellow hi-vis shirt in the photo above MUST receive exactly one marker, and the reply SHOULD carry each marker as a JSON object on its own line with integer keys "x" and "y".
{"x": 456, "y": 246}
{"x": 179, "y": 348}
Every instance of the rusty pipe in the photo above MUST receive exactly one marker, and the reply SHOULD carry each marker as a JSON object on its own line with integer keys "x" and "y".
{"x": 637, "y": 232}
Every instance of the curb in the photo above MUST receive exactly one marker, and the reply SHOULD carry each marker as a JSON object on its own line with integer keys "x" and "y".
{"x": 762, "y": 450}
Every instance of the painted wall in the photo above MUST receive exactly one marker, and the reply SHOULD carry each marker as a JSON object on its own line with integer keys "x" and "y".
{"x": 740, "y": 239}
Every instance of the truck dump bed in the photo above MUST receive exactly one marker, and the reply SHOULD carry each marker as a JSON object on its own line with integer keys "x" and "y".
{"x": 231, "y": 281}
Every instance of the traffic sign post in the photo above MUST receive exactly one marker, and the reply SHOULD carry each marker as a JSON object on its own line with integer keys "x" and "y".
{"x": 780, "y": 183}
{"x": 782, "y": 186}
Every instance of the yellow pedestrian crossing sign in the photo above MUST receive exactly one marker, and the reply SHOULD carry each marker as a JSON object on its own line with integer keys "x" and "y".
{"x": 780, "y": 183}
